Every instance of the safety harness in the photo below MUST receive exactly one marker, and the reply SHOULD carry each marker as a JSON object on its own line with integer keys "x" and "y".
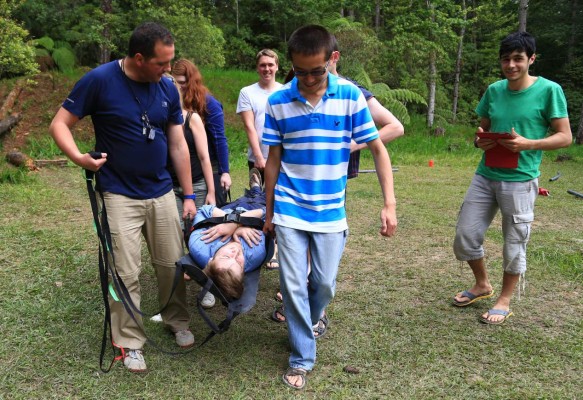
{"x": 251, "y": 280}
{"x": 119, "y": 292}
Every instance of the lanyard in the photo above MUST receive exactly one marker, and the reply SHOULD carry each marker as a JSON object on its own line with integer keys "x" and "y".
{"x": 147, "y": 129}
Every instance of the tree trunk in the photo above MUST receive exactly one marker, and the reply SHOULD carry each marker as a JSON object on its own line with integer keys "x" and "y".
{"x": 377, "y": 15}
{"x": 458, "y": 64}
{"x": 104, "y": 47}
{"x": 432, "y": 76}
{"x": 10, "y": 100}
{"x": 432, "y": 84}
{"x": 571, "y": 41}
{"x": 579, "y": 136}
{"x": 522, "y": 14}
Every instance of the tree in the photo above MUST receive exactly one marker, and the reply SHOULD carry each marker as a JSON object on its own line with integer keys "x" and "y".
{"x": 16, "y": 54}
{"x": 458, "y": 62}
{"x": 522, "y": 15}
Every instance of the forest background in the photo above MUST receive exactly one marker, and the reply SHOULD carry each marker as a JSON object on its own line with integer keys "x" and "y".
{"x": 428, "y": 57}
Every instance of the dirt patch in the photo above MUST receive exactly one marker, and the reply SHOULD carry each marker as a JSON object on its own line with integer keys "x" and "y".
{"x": 38, "y": 102}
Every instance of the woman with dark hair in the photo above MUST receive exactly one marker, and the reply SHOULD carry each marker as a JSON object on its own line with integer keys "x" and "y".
{"x": 197, "y": 95}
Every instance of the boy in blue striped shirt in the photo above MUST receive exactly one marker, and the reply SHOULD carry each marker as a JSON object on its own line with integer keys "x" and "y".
{"x": 309, "y": 125}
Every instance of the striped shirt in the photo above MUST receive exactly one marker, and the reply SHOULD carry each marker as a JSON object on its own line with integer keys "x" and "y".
{"x": 310, "y": 189}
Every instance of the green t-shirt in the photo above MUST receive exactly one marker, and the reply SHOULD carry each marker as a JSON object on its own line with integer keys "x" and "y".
{"x": 529, "y": 112}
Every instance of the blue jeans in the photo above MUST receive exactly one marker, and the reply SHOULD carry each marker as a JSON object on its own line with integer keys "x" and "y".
{"x": 305, "y": 296}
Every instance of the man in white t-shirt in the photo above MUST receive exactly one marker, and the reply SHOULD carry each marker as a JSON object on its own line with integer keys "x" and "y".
{"x": 251, "y": 106}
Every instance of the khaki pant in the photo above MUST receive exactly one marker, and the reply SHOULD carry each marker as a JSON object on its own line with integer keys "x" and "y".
{"x": 157, "y": 220}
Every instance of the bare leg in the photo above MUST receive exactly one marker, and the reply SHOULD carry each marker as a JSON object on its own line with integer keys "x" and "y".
{"x": 482, "y": 284}
{"x": 509, "y": 282}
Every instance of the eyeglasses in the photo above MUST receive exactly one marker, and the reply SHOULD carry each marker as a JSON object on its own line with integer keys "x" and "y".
{"x": 316, "y": 72}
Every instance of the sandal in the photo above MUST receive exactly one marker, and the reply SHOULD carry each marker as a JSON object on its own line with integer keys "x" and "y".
{"x": 321, "y": 327}
{"x": 278, "y": 314}
{"x": 295, "y": 372}
{"x": 272, "y": 264}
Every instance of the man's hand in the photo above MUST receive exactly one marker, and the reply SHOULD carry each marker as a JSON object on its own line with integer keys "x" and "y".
{"x": 86, "y": 161}
{"x": 250, "y": 235}
{"x": 188, "y": 209}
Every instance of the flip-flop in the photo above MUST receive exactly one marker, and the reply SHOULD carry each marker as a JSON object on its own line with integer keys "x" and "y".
{"x": 495, "y": 311}
{"x": 472, "y": 298}
{"x": 278, "y": 310}
{"x": 295, "y": 372}
{"x": 272, "y": 264}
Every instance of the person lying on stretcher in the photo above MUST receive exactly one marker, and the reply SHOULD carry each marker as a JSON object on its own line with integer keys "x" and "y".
{"x": 228, "y": 250}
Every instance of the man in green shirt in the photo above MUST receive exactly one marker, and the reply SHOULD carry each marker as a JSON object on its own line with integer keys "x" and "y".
{"x": 528, "y": 107}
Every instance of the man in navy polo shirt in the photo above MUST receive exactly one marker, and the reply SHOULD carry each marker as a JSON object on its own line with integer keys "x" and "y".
{"x": 137, "y": 119}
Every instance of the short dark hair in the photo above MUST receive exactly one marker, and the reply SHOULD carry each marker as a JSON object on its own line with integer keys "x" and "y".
{"x": 145, "y": 37}
{"x": 310, "y": 40}
{"x": 518, "y": 41}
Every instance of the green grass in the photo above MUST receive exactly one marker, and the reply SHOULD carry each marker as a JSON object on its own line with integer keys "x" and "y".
{"x": 391, "y": 318}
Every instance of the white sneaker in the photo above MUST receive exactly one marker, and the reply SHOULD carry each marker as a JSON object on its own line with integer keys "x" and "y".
{"x": 184, "y": 338}
{"x": 208, "y": 301}
{"x": 134, "y": 361}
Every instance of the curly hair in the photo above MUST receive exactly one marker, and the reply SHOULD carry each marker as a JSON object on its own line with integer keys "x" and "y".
{"x": 194, "y": 94}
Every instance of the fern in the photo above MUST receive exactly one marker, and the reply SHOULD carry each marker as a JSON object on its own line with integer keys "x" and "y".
{"x": 395, "y": 100}
{"x": 65, "y": 59}
{"x": 45, "y": 42}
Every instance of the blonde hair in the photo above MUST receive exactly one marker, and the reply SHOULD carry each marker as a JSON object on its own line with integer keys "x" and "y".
{"x": 267, "y": 53}
{"x": 227, "y": 280}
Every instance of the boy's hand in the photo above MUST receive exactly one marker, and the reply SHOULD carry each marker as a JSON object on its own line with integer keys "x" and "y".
{"x": 250, "y": 235}
{"x": 516, "y": 144}
{"x": 484, "y": 144}
{"x": 388, "y": 221}
{"x": 223, "y": 231}
{"x": 268, "y": 227}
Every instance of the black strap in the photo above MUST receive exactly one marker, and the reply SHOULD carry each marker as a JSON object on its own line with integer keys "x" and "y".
{"x": 107, "y": 269}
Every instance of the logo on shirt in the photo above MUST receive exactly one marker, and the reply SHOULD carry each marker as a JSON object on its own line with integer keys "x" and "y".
{"x": 164, "y": 104}
{"x": 336, "y": 123}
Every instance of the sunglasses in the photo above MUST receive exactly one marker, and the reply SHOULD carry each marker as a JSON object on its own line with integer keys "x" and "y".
{"x": 317, "y": 72}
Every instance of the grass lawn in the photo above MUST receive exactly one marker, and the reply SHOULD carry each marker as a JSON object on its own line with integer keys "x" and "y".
{"x": 391, "y": 318}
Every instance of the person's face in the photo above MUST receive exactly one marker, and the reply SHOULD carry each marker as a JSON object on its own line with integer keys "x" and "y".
{"x": 515, "y": 65}
{"x": 267, "y": 68}
{"x": 180, "y": 81}
{"x": 230, "y": 256}
{"x": 311, "y": 71}
{"x": 152, "y": 69}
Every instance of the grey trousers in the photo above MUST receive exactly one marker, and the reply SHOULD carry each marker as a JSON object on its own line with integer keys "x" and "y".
{"x": 484, "y": 198}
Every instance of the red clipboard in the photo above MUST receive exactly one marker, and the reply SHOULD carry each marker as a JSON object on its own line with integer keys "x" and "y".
{"x": 499, "y": 156}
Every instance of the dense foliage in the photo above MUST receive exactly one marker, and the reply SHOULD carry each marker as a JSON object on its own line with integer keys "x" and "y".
{"x": 443, "y": 50}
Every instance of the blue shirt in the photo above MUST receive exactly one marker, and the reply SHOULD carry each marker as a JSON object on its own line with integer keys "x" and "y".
{"x": 214, "y": 124}
{"x": 136, "y": 166}
{"x": 315, "y": 140}
{"x": 201, "y": 252}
